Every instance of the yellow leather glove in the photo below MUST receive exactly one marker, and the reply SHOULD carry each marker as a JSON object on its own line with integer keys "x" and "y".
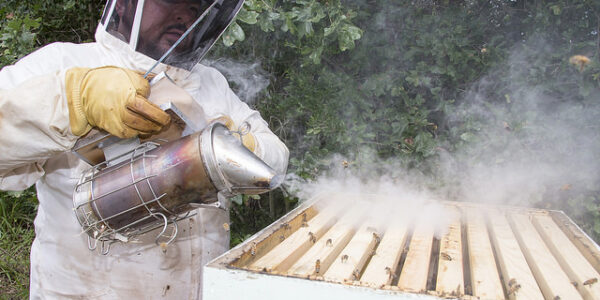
{"x": 113, "y": 99}
{"x": 248, "y": 139}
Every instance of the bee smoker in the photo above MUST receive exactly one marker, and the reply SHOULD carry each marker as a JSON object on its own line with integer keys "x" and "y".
{"x": 155, "y": 184}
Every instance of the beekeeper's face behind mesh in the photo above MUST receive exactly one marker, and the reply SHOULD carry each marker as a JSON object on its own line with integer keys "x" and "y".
{"x": 152, "y": 27}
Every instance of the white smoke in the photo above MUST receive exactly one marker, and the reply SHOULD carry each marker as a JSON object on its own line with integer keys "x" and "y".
{"x": 527, "y": 148}
{"x": 248, "y": 79}
{"x": 531, "y": 146}
{"x": 386, "y": 194}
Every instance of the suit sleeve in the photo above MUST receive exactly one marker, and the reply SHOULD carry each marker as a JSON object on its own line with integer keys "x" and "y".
{"x": 34, "y": 126}
{"x": 268, "y": 146}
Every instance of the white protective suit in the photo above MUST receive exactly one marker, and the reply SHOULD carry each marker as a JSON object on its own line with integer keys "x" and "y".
{"x": 35, "y": 140}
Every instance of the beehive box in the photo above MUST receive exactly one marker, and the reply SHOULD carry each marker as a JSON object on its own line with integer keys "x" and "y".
{"x": 328, "y": 251}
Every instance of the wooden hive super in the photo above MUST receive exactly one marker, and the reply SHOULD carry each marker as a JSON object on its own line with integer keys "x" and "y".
{"x": 484, "y": 252}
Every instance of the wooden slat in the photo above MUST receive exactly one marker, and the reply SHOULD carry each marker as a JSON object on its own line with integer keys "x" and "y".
{"x": 450, "y": 278}
{"x": 268, "y": 240}
{"x": 288, "y": 251}
{"x": 382, "y": 267}
{"x": 586, "y": 246}
{"x": 568, "y": 256}
{"x": 485, "y": 280}
{"x": 319, "y": 257}
{"x": 348, "y": 265}
{"x": 552, "y": 280}
{"x": 413, "y": 276}
{"x": 518, "y": 279}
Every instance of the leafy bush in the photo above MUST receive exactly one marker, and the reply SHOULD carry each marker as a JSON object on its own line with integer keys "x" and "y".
{"x": 459, "y": 92}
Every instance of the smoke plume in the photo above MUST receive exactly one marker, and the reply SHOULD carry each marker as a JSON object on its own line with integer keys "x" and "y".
{"x": 530, "y": 147}
{"x": 248, "y": 79}
{"x": 533, "y": 144}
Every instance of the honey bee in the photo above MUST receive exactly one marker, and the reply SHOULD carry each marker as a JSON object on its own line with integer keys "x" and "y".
{"x": 447, "y": 257}
{"x": 513, "y": 286}
{"x": 344, "y": 258}
{"x": 590, "y": 281}
{"x": 318, "y": 266}
{"x": 345, "y": 164}
{"x": 304, "y": 221}
{"x": 329, "y": 243}
{"x": 579, "y": 60}
{"x": 312, "y": 237}
{"x": 226, "y": 227}
{"x": 376, "y": 237}
{"x": 253, "y": 249}
{"x": 356, "y": 274}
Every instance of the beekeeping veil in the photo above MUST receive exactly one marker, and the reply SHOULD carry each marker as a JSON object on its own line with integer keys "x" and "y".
{"x": 178, "y": 32}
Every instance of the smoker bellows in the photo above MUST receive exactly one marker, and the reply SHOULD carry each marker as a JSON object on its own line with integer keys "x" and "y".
{"x": 483, "y": 252}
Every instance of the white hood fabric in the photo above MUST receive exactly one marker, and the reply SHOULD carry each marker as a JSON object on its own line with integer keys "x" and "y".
{"x": 35, "y": 143}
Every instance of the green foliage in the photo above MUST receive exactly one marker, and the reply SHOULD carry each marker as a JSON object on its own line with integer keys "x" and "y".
{"x": 387, "y": 94}
{"x": 16, "y": 37}
{"x": 27, "y": 25}
{"x": 17, "y": 211}
{"x": 408, "y": 88}
{"x": 249, "y": 214}
{"x": 311, "y": 26}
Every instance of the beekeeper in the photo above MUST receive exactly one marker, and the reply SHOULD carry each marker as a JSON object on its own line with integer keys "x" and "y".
{"x": 55, "y": 95}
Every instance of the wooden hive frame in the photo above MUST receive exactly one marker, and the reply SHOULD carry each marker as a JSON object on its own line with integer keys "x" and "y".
{"x": 486, "y": 252}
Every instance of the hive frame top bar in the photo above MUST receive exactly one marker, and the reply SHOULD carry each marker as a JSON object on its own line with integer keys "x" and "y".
{"x": 304, "y": 227}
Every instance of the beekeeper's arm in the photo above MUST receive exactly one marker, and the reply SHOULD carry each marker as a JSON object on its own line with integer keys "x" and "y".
{"x": 34, "y": 125}
{"x": 45, "y": 115}
{"x": 260, "y": 139}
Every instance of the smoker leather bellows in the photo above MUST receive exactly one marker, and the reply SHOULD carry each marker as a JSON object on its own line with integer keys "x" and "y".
{"x": 155, "y": 185}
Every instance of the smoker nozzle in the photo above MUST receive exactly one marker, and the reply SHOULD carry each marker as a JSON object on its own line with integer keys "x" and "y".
{"x": 233, "y": 168}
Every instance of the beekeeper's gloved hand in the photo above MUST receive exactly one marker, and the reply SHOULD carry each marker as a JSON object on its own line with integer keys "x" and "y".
{"x": 247, "y": 137}
{"x": 113, "y": 99}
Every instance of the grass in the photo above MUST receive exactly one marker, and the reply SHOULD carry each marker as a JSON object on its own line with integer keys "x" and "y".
{"x": 17, "y": 211}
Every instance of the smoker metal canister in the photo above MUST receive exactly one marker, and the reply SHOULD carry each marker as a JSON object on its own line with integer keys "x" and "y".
{"x": 161, "y": 182}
